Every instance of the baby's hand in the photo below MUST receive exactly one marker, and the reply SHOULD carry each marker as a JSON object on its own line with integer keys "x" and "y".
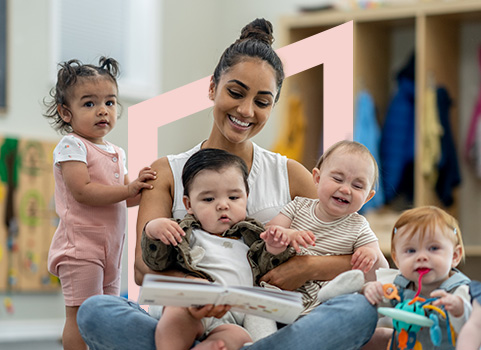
{"x": 452, "y": 303}
{"x": 303, "y": 238}
{"x": 145, "y": 174}
{"x": 364, "y": 259}
{"x": 276, "y": 239}
{"x": 373, "y": 292}
{"x": 165, "y": 230}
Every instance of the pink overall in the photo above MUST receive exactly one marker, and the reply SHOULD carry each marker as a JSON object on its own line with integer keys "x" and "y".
{"x": 86, "y": 249}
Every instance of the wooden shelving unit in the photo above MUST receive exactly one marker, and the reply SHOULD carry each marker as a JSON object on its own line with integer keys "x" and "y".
{"x": 383, "y": 39}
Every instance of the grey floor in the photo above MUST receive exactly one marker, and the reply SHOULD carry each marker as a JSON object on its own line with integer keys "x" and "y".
{"x": 38, "y": 345}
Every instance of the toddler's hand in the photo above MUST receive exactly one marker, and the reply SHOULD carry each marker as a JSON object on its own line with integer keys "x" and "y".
{"x": 373, "y": 292}
{"x": 145, "y": 174}
{"x": 452, "y": 303}
{"x": 166, "y": 230}
{"x": 364, "y": 259}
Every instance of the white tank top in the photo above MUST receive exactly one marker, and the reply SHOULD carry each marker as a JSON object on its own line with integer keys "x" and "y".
{"x": 268, "y": 183}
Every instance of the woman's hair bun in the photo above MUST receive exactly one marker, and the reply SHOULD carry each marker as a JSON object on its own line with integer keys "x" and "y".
{"x": 259, "y": 29}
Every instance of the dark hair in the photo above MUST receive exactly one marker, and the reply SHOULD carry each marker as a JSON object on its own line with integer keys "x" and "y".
{"x": 211, "y": 159}
{"x": 67, "y": 77}
{"x": 255, "y": 41}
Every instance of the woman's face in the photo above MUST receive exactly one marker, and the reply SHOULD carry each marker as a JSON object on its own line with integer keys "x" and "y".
{"x": 243, "y": 99}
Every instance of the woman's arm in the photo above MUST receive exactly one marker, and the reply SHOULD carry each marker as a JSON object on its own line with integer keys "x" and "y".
{"x": 156, "y": 203}
{"x": 301, "y": 182}
{"x": 300, "y": 269}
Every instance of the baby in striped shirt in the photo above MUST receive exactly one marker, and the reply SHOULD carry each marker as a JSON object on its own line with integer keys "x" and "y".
{"x": 345, "y": 177}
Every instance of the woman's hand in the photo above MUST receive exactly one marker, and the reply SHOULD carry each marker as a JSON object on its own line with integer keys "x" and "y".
{"x": 299, "y": 269}
{"x": 209, "y": 310}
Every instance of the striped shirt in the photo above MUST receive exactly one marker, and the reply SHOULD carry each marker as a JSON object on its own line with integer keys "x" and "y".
{"x": 339, "y": 237}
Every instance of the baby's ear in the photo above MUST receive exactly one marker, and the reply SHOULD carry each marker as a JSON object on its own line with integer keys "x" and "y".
{"x": 369, "y": 196}
{"x": 64, "y": 113}
{"x": 187, "y": 204}
{"x": 316, "y": 175}
{"x": 457, "y": 255}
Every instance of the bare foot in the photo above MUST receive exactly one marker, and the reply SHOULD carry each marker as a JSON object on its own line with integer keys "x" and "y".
{"x": 211, "y": 345}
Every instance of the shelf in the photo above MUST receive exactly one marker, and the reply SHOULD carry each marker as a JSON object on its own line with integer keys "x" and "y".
{"x": 444, "y": 35}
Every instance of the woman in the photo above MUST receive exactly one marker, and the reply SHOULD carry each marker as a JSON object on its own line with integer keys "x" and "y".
{"x": 244, "y": 87}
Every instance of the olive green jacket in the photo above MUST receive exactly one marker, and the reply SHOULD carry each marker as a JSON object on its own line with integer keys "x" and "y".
{"x": 160, "y": 257}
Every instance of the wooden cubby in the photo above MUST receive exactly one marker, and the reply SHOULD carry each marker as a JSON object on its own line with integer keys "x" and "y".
{"x": 384, "y": 38}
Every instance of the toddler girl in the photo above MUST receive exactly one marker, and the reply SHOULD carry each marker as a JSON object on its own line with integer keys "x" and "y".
{"x": 91, "y": 187}
{"x": 427, "y": 242}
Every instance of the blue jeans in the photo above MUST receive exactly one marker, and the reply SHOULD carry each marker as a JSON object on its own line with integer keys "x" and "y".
{"x": 345, "y": 322}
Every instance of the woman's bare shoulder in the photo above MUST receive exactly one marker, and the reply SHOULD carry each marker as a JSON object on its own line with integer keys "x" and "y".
{"x": 300, "y": 180}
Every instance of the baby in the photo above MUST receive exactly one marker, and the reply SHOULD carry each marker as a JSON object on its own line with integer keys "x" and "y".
{"x": 345, "y": 177}
{"x": 426, "y": 246}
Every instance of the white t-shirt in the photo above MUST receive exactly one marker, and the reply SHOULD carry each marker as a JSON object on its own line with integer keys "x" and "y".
{"x": 71, "y": 148}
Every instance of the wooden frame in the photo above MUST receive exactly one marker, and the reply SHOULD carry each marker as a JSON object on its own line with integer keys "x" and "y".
{"x": 3, "y": 55}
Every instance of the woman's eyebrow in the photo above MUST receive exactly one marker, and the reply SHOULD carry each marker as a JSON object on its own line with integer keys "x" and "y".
{"x": 248, "y": 88}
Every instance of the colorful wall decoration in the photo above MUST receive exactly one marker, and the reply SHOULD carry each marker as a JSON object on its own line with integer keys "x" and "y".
{"x": 27, "y": 215}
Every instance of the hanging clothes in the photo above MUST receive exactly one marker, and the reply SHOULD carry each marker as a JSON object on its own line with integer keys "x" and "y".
{"x": 292, "y": 136}
{"x": 473, "y": 139}
{"x": 449, "y": 175}
{"x": 397, "y": 138}
{"x": 431, "y": 138}
{"x": 368, "y": 132}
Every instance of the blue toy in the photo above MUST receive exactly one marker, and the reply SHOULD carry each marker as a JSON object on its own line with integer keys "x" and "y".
{"x": 409, "y": 316}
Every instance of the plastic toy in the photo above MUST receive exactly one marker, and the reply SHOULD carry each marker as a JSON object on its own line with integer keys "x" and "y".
{"x": 7, "y": 302}
{"x": 409, "y": 316}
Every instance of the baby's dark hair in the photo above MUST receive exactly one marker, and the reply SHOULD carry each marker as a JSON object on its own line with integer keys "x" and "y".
{"x": 255, "y": 41}
{"x": 67, "y": 77}
{"x": 211, "y": 159}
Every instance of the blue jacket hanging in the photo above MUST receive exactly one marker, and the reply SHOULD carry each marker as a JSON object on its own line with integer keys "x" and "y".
{"x": 397, "y": 139}
{"x": 367, "y": 132}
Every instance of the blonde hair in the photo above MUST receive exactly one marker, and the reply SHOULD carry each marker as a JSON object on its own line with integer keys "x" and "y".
{"x": 423, "y": 220}
{"x": 354, "y": 147}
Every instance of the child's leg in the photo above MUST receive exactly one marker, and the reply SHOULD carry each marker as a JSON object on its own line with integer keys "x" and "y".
{"x": 177, "y": 329}
{"x": 80, "y": 279}
{"x": 71, "y": 338}
{"x": 225, "y": 337}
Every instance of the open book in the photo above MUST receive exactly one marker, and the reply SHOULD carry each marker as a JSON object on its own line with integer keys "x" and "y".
{"x": 279, "y": 305}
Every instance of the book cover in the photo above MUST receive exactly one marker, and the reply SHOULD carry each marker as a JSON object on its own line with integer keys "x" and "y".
{"x": 281, "y": 306}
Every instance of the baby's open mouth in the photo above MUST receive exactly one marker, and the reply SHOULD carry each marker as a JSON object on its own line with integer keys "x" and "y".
{"x": 341, "y": 200}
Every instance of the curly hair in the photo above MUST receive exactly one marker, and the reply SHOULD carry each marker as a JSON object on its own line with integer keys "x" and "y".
{"x": 67, "y": 77}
